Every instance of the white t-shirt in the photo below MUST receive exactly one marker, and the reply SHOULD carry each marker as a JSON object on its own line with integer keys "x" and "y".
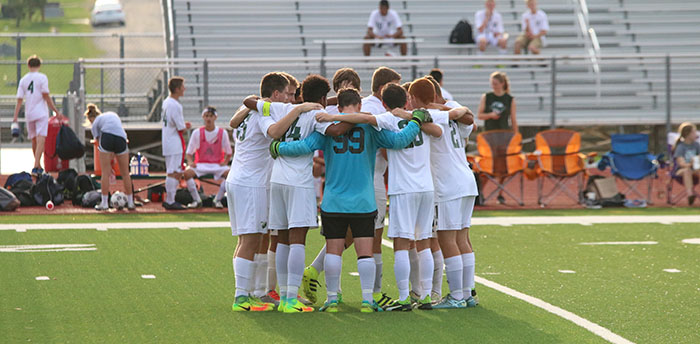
{"x": 293, "y": 170}
{"x": 373, "y": 105}
{"x": 494, "y": 25}
{"x": 252, "y": 164}
{"x": 538, "y": 21}
{"x": 332, "y": 110}
{"x": 384, "y": 25}
{"x": 451, "y": 174}
{"x": 409, "y": 168}
{"x": 446, "y": 95}
{"x": 173, "y": 123}
{"x": 210, "y": 136}
{"x": 108, "y": 123}
{"x": 31, "y": 88}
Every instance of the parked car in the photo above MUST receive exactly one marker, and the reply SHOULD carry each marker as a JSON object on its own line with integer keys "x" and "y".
{"x": 107, "y": 12}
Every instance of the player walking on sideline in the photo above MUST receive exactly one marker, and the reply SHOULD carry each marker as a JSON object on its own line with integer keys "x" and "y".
{"x": 248, "y": 186}
{"x": 34, "y": 87}
{"x": 173, "y": 142}
{"x": 348, "y": 200}
{"x": 209, "y": 152}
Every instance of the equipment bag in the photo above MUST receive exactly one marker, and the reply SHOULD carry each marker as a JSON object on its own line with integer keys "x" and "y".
{"x": 83, "y": 184}
{"x": 68, "y": 146}
{"x": 22, "y": 189}
{"x": 90, "y": 199}
{"x": 68, "y": 178}
{"x": 46, "y": 189}
{"x": 605, "y": 190}
{"x": 8, "y": 201}
{"x": 14, "y": 178}
{"x": 462, "y": 33}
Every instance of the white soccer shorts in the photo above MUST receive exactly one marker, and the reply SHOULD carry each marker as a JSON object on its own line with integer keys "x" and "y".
{"x": 247, "y": 209}
{"x": 380, "y": 198}
{"x": 455, "y": 214}
{"x": 217, "y": 170}
{"x": 173, "y": 163}
{"x": 39, "y": 127}
{"x": 490, "y": 39}
{"x": 411, "y": 215}
{"x": 292, "y": 207}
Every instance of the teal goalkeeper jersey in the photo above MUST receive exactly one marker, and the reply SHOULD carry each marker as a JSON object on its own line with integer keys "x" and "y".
{"x": 350, "y": 162}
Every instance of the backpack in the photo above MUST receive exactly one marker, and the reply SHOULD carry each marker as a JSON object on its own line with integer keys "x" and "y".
{"x": 67, "y": 178}
{"x": 68, "y": 146}
{"x": 156, "y": 193}
{"x": 462, "y": 33}
{"x": 83, "y": 184}
{"x": 14, "y": 178}
{"x": 46, "y": 189}
{"x": 22, "y": 189}
{"x": 8, "y": 201}
{"x": 605, "y": 191}
{"x": 90, "y": 199}
{"x": 183, "y": 196}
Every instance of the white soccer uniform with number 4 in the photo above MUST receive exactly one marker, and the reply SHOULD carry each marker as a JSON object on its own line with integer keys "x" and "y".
{"x": 411, "y": 191}
{"x": 455, "y": 186}
{"x": 248, "y": 182}
{"x": 292, "y": 196}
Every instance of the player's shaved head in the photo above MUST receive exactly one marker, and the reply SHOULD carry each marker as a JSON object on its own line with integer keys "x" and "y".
{"x": 383, "y": 76}
{"x": 394, "y": 96}
{"x": 348, "y": 97}
{"x": 315, "y": 88}
{"x": 271, "y": 82}
{"x": 345, "y": 76}
{"x": 422, "y": 90}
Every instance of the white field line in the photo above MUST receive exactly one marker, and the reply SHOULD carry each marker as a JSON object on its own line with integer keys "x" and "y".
{"x": 587, "y": 324}
{"x": 47, "y": 248}
{"x": 479, "y": 221}
{"x": 620, "y": 243}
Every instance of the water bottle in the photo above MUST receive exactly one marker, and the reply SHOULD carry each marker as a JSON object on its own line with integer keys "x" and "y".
{"x": 144, "y": 165}
{"x": 139, "y": 170}
{"x": 133, "y": 166}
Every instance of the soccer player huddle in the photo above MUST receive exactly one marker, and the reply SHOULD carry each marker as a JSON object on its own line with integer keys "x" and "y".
{"x": 409, "y": 129}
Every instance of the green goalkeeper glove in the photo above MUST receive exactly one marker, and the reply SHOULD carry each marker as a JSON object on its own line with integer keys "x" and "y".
{"x": 421, "y": 116}
{"x": 275, "y": 149}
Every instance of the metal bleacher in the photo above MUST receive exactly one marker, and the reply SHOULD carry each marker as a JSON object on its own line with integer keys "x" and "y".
{"x": 285, "y": 35}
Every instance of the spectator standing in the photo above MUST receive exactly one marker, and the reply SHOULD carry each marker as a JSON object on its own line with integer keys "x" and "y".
{"x": 489, "y": 27}
{"x": 535, "y": 26}
{"x": 384, "y": 23}
{"x": 438, "y": 75}
{"x": 34, "y": 88}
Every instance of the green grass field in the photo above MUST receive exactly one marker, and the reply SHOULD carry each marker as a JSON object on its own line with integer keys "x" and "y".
{"x": 99, "y": 296}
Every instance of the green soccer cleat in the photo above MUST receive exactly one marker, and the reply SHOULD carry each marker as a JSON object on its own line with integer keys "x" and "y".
{"x": 310, "y": 283}
{"x": 382, "y": 300}
{"x": 267, "y": 306}
{"x": 372, "y": 307}
{"x": 476, "y": 298}
{"x": 425, "y": 304}
{"x": 329, "y": 307}
{"x": 282, "y": 304}
{"x": 294, "y": 306}
{"x": 471, "y": 302}
{"x": 449, "y": 302}
{"x": 243, "y": 304}
{"x": 340, "y": 297}
{"x": 414, "y": 296}
{"x": 400, "y": 306}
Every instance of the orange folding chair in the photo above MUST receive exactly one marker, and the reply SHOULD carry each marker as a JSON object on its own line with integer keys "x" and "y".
{"x": 500, "y": 159}
{"x": 558, "y": 154}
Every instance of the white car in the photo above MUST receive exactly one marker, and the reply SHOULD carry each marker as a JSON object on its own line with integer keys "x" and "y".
{"x": 107, "y": 12}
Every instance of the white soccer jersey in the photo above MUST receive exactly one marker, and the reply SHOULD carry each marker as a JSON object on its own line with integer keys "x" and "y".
{"x": 293, "y": 170}
{"x": 252, "y": 164}
{"x": 173, "y": 122}
{"x": 31, "y": 88}
{"x": 464, "y": 130}
{"x": 409, "y": 168}
{"x": 332, "y": 110}
{"x": 374, "y": 105}
{"x": 451, "y": 174}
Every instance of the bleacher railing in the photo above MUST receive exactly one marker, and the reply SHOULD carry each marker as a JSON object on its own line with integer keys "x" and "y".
{"x": 590, "y": 40}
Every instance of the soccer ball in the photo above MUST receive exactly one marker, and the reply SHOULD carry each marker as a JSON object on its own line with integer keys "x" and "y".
{"x": 118, "y": 200}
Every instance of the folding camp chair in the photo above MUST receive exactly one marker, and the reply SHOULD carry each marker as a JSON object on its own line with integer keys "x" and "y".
{"x": 674, "y": 179}
{"x": 631, "y": 162}
{"x": 500, "y": 158}
{"x": 561, "y": 162}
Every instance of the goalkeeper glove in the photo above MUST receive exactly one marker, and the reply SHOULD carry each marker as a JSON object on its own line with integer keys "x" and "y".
{"x": 275, "y": 149}
{"x": 421, "y": 116}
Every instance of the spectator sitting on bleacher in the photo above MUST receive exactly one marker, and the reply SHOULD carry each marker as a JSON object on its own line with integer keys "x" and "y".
{"x": 535, "y": 26}
{"x": 437, "y": 74}
{"x": 384, "y": 24}
{"x": 208, "y": 152}
{"x": 684, "y": 151}
{"x": 489, "y": 27}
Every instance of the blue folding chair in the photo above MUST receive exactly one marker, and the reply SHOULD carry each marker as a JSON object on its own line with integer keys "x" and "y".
{"x": 631, "y": 162}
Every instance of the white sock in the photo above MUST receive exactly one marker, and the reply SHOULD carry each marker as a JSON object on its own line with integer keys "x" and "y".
{"x": 319, "y": 260}
{"x": 105, "y": 201}
{"x": 295, "y": 269}
{"x": 425, "y": 271}
{"x": 366, "y": 268}
{"x": 221, "y": 193}
{"x": 192, "y": 188}
{"x": 413, "y": 278}
{"x": 170, "y": 189}
{"x": 453, "y": 267}
{"x": 378, "y": 272}
{"x": 260, "y": 274}
{"x": 333, "y": 264}
{"x": 468, "y": 273}
{"x": 402, "y": 269}
{"x": 502, "y": 51}
{"x": 438, "y": 267}
{"x": 130, "y": 200}
{"x": 281, "y": 263}
{"x": 271, "y": 271}
{"x": 243, "y": 269}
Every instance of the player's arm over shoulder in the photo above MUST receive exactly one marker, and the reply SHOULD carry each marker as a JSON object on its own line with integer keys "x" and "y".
{"x": 308, "y": 145}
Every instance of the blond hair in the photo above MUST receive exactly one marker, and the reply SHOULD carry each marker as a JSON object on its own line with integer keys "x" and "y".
{"x": 684, "y": 130}
{"x": 91, "y": 112}
{"x": 502, "y": 78}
